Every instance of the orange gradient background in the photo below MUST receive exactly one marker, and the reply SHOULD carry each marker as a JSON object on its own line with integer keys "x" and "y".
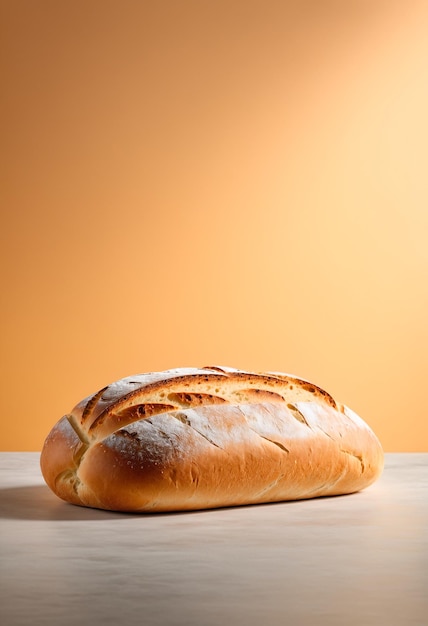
{"x": 190, "y": 183}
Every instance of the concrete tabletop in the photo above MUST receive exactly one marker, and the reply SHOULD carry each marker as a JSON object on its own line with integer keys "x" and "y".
{"x": 360, "y": 559}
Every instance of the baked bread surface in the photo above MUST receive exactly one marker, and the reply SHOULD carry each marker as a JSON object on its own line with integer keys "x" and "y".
{"x": 188, "y": 439}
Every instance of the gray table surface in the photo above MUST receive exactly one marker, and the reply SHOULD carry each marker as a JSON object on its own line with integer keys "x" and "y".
{"x": 359, "y": 560}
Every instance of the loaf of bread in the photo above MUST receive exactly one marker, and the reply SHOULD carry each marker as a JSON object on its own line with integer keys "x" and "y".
{"x": 188, "y": 439}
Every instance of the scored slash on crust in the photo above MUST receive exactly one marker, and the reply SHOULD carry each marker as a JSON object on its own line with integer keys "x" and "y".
{"x": 116, "y": 406}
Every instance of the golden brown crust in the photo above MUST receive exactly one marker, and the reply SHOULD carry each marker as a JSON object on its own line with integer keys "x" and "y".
{"x": 191, "y": 439}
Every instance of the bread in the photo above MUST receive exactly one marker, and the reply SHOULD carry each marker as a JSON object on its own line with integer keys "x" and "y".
{"x": 188, "y": 439}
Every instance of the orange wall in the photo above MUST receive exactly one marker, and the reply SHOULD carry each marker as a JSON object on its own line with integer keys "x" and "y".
{"x": 229, "y": 182}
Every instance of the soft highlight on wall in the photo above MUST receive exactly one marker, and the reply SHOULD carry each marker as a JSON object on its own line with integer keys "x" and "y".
{"x": 197, "y": 183}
